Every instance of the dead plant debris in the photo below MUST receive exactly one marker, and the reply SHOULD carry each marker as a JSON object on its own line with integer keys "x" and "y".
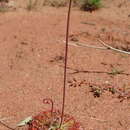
{"x": 57, "y": 59}
{"x": 99, "y": 89}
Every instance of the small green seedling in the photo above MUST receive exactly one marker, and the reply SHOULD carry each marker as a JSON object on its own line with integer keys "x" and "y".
{"x": 97, "y": 91}
{"x": 112, "y": 90}
{"x": 25, "y": 121}
{"x": 90, "y": 5}
{"x": 115, "y": 71}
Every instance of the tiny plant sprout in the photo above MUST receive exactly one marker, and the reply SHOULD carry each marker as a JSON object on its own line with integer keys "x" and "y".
{"x": 25, "y": 121}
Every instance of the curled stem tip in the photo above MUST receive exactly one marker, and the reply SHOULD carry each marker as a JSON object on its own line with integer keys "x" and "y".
{"x": 49, "y": 101}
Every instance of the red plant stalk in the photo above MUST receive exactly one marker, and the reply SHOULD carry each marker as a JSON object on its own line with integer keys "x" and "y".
{"x": 66, "y": 59}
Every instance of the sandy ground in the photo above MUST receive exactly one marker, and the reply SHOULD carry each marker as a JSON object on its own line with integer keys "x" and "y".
{"x": 32, "y": 60}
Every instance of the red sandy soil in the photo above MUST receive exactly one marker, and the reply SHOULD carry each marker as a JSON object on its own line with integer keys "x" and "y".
{"x": 31, "y": 64}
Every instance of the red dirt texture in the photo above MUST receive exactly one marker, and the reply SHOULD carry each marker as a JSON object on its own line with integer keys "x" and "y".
{"x": 32, "y": 60}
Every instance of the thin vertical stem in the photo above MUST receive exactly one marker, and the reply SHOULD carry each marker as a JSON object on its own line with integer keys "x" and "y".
{"x": 66, "y": 59}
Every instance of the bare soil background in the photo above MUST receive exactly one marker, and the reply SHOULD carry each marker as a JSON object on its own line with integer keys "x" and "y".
{"x": 32, "y": 60}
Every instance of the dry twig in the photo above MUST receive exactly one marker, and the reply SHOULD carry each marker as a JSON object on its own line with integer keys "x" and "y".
{"x": 94, "y": 71}
{"x": 84, "y": 45}
{"x": 107, "y": 47}
{"x": 112, "y": 48}
{"x": 7, "y": 126}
